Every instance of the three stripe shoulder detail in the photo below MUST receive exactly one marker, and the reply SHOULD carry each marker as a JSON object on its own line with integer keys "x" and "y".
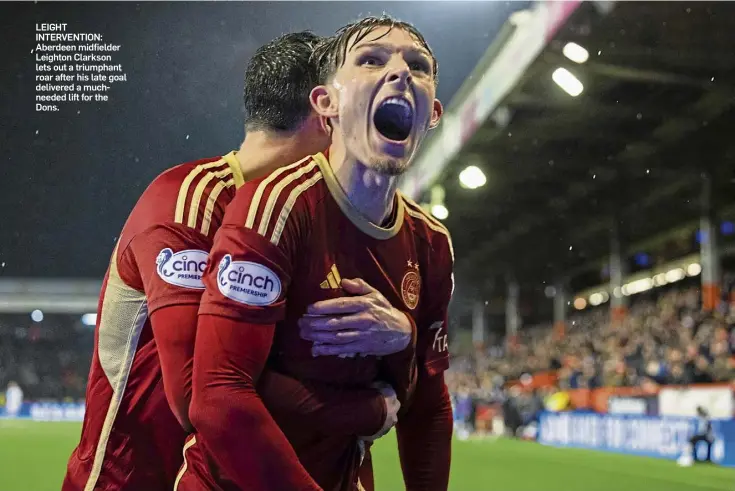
{"x": 199, "y": 192}
{"x": 276, "y": 195}
{"x": 414, "y": 210}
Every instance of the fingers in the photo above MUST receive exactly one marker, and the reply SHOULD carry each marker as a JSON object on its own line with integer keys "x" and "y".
{"x": 359, "y": 345}
{"x": 356, "y": 286}
{"x": 359, "y": 322}
{"x": 392, "y": 406}
{"x": 340, "y": 337}
{"x": 353, "y": 348}
{"x": 360, "y": 300}
{"x": 342, "y": 305}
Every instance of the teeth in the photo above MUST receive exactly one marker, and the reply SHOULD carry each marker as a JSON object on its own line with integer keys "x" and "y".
{"x": 399, "y": 101}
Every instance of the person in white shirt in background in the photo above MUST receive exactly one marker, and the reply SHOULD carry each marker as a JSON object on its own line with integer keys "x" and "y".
{"x": 13, "y": 399}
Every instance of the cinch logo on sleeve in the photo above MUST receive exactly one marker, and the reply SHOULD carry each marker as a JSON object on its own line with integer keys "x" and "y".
{"x": 247, "y": 282}
{"x": 184, "y": 268}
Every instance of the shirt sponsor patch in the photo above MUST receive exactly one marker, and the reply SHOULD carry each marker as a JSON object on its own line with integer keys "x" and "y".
{"x": 183, "y": 268}
{"x": 247, "y": 282}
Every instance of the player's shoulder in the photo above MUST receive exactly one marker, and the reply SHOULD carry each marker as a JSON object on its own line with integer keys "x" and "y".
{"x": 285, "y": 178}
{"x": 288, "y": 193}
{"x": 193, "y": 194}
{"x": 427, "y": 227}
{"x": 190, "y": 187}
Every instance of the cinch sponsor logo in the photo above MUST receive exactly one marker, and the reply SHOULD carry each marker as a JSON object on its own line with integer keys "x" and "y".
{"x": 247, "y": 282}
{"x": 184, "y": 268}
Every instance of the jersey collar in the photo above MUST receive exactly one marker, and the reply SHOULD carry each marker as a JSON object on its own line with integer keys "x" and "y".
{"x": 360, "y": 221}
{"x": 234, "y": 164}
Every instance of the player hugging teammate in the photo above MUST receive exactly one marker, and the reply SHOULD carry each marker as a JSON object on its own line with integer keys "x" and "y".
{"x": 325, "y": 290}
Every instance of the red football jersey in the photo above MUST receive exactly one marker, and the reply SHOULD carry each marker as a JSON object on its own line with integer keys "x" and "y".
{"x": 285, "y": 243}
{"x": 130, "y": 437}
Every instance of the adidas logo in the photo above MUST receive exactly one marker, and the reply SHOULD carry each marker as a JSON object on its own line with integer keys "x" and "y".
{"x": 333, "y": 280}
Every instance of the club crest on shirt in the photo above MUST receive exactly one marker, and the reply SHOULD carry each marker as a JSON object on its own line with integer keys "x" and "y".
{"x": 410, "y": 289}
{"x": 247, "y": 282}
{"x": 183, "y": 268}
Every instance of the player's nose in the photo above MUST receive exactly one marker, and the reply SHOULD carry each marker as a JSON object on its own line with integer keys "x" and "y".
{"x": 399, "y": 75}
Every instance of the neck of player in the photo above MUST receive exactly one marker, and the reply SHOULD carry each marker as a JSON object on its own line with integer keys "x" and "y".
{"x": 369, "y": 192}
{"x": 262, "y": 152}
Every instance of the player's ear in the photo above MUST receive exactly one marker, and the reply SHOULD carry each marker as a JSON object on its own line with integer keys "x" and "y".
{"x": 324, "y": 101}
{"x": 316, "y": 133}
{"x": 436, "y": 114}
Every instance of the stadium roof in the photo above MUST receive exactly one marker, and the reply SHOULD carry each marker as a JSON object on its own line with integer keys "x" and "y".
{"x": 655, "y": 116}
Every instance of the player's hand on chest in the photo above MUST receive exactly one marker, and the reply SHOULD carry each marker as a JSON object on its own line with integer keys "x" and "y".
{"x": 354, "y": 317}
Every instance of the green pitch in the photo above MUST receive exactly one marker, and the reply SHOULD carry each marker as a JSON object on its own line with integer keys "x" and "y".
{"x": 33, "y": 458}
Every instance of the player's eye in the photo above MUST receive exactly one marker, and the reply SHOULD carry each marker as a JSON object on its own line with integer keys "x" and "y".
{"x": 419, "y": 66}
{"x": 370, "y": 60}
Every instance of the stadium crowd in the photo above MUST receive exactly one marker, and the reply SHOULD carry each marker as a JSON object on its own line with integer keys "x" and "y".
{"x": 49, "y": 360}
{"x": 665, "y": 339}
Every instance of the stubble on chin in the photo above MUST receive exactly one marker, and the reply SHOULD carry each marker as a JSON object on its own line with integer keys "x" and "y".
{"x": 389, "y": 167}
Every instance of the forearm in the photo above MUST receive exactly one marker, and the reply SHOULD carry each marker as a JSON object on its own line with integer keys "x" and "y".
{"x": 174, "y": 329}
{"x": 425, "y": 436}
{"x": 227, "y": 413}
{"x": 327, "y": 409}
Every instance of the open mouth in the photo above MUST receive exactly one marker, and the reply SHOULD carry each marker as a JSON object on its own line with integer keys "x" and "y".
{"x": 394, "y": 119}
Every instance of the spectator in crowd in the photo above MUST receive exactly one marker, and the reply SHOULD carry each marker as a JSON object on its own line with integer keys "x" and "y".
{"x": 665, "y": 339}
{"x": 48, "y": 360}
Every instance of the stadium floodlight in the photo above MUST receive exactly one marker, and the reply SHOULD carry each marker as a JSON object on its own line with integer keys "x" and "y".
{"x": 567, "y": 81}
{"x": 694, "y": 269}
{"x": 596, "y": 299}
{"x": 660, "y": 279}
{"x": 37, "y": 315}
{"x": 89, "y": 319}
{"x": 638, "y": 286}
{"x": 440, "y": 212}
{"x": 675, "y": 275}
{"x": 472, "y": 177}
{"x": 575, "y": 52}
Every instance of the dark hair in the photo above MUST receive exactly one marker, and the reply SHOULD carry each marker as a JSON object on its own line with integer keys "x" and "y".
{"x": 330, "y": 54}
{"x": 278, "y": 80}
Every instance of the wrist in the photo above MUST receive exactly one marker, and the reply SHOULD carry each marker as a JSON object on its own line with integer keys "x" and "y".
{"x": 408, "y": 327}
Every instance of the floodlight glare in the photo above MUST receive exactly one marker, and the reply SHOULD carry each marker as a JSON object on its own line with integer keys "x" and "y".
{"x": 575, "y": 52}
{"x": 472, "y": 177}
{"x": 567, "y": 81}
